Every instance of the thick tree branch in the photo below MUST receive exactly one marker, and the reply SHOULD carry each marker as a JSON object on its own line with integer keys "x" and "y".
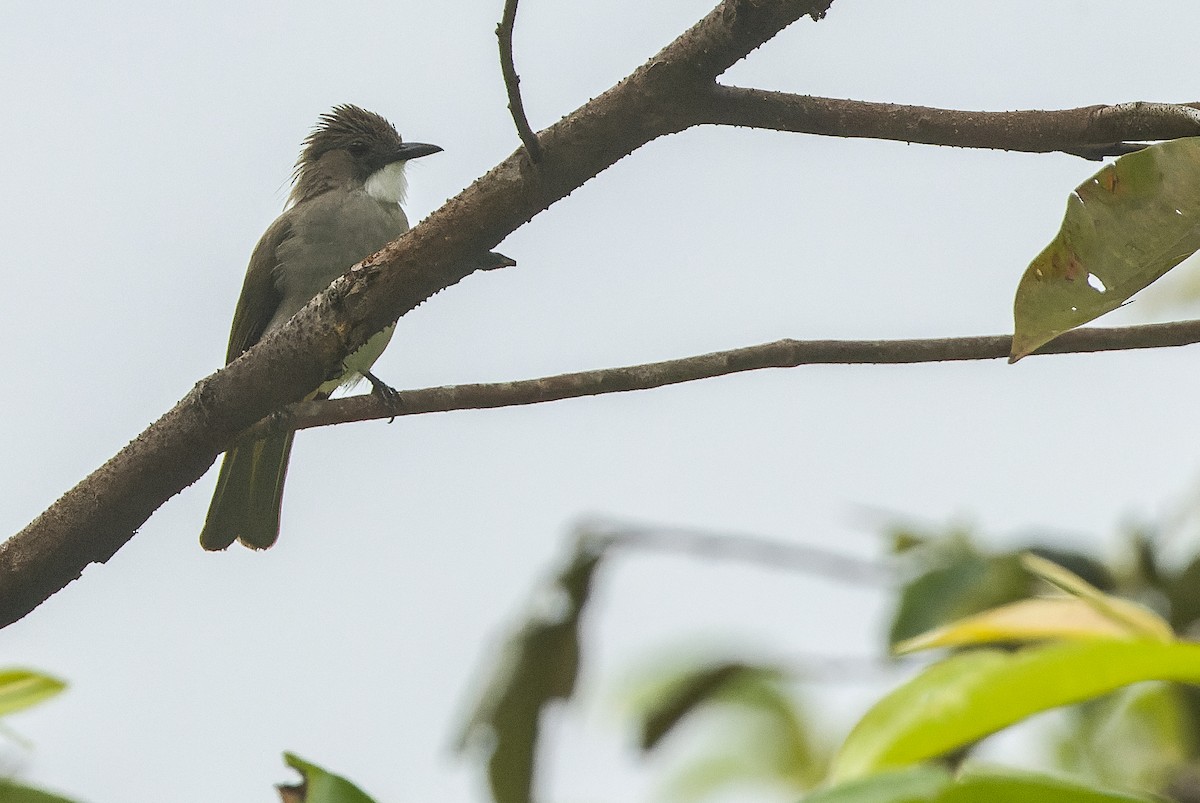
{"x": 512, "y": 82}
{"x": 779, "y": 354}
{"x": 1095, "y": 132}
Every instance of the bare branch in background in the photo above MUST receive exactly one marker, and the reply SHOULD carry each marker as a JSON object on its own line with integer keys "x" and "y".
{"x": 772, "y": 553}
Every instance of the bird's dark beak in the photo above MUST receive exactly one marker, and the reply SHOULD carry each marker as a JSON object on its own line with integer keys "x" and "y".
{"x": 414, "y": 150}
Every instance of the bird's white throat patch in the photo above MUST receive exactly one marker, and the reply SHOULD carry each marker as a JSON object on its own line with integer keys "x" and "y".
{"x": 388, "y": 184}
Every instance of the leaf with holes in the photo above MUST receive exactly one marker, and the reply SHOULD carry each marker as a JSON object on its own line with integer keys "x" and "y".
{"x": 1125, "y": 227}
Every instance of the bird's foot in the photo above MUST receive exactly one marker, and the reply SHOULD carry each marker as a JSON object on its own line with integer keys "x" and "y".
{"x": 386, "y": 393}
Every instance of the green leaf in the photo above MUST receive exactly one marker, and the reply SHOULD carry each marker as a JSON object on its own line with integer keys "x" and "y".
{"x": 917, "y": 784}
{"x": 12, "y": 792}
{"x": 1125, "y": 227}
{"x": 21, "y": 688}
{"x": 746, "y": 725}
{"x": 1085, "y": 567}
{"x": 960, "y": 582}
{"x": 319, "y": 785}
{"x": 763, "y": 737}
{"x": 1087, "y": 613}
{"x": 1183, "y": 592}
{"x": 537, "y": 666}
{"x": 1137, "y": 620}
{"x": 1021, "y": 621}
{"x": 1138, "y": 738}
{"x": 968, "y": 696}
{"x": 975, "y": 786}
{"x": 930, "y": 784}
{"x": 686, "y": 694}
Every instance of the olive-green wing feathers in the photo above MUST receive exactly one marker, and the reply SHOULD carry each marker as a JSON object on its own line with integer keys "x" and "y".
{"x": 260, "y": 296}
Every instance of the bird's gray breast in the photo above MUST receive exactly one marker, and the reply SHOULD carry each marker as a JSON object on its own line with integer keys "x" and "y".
{"x": 329, "y": 234}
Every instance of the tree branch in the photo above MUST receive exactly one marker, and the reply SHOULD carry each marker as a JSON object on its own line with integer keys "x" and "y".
{"x": 1095, "y": 132}
{"x": 512, "y": 82}
{"x": 779, "y": 354}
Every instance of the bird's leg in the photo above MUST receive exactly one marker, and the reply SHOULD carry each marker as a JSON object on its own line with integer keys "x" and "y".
{"x": 388, "y": 394}
{"x": 279, "y": 422}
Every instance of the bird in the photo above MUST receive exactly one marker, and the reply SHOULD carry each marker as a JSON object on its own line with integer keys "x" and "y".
{"x": 345, "y": 204}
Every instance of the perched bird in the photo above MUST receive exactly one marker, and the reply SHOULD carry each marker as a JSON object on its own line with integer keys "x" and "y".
{"x": 344, "y": 206}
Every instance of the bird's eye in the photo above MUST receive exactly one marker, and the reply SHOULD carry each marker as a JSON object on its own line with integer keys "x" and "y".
{"x": 357, "y": 147}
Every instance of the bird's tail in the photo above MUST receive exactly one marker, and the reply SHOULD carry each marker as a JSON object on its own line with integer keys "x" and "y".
{"x": 245, "y": 506}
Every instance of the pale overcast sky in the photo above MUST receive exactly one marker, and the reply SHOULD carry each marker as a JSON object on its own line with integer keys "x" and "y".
{"x": 149, "y": 144}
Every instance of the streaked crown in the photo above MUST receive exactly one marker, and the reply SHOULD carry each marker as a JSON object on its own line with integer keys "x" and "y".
{"x": 371, "y": 141}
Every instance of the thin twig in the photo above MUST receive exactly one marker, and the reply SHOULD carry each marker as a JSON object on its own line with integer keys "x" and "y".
{"x": 779, "y": 354}
{"x": 512, "y": 82}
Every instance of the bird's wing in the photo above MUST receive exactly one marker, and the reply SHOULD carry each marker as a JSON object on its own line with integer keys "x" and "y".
{"x": 260, "y": 296}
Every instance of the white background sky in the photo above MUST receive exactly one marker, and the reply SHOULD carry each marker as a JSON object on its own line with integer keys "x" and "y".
{"x": 147, "y": 145}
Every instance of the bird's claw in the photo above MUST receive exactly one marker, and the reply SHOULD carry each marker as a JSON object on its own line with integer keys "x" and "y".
{"x": 387, "y": 394}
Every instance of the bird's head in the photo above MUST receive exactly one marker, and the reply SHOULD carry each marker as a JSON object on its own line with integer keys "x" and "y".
{"x": 352, "y": 145}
